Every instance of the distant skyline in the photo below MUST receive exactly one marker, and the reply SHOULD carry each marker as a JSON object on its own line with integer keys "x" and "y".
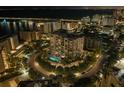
{"x": 65, "y": 12}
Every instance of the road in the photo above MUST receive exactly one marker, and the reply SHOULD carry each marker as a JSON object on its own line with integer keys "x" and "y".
{"x": 90, "y": 72}
{"x": 10, "y": 82}
{"x": 108, "y": 81}
{"x": 96, "y": 67}
{"x": 36, "y": 66}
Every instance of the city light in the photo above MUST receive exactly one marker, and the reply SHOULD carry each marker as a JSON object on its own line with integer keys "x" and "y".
{"x": 4, "y": 21}
{"x": 24, "y": 71}
{"x": 69, "y": 51}
{"x": 53, "y": 73}
{"x": 97, "y": 55}
{"x": 47, "y": 38}
{"x": 78, "y": 74}
{"x": 36, "y": 64}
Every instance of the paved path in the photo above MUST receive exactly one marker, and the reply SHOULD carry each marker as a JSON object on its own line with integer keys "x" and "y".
{"x": 95, "y": 68}
{"x": 39, "y": 68}
{"x": 35, "y": 65}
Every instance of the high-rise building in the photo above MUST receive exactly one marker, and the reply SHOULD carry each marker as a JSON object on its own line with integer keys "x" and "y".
{"x": 44, "y": 27}
{"x": 24, "y": 36}
{"x": 47, "y": 27}
{"x": 96, "y": 18}
{"x": 14, "y": 41}
{"x": 86, "y": 19}
{"x": 69, "y": 25}
{"x": 118, "y": 13}
{"x": 66, "y": 43}
{"x": 20, "y": 26}
{"x": 5, "y": 48}
{"x": 2, "y": 68}
{"x": 30, "y": 25}
{"x": 56, "y": 26}
{"x": 5, "y": 58}
{"x": 40, "y": 27}
{"x": 29, "y": 36}
{"x": 91, "y": 43}
{"x": 6, "y": 44}
{"x": 107, "y": 20}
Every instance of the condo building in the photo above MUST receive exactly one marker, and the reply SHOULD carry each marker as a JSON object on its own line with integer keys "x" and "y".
{"x": 14, "y": 42}
{"x": 28, "y": 36}
{"x": 7, "y": 45}
{"x": 97, "y": 18}
{"x": 5, "y": 48}
{"x": 65, "y": 43}
{"x": 70, "y": 24}
{"x": 107, "y": 20}
{"x": 91, "y": 43}
{"x": 86, "y": 19}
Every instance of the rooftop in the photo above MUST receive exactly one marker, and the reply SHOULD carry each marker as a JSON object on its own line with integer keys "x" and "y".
{"x": 68, "y": 34}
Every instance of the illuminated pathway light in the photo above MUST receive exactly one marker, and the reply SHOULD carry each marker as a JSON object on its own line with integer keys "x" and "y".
{"x": 25, "y": 72}
{"x": 77, "y": 74}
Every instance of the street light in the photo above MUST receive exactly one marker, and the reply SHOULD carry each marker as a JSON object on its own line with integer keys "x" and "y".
{"x": 25, "y": 72}
{"x": 36, "y": 64}
{"x": 24, "y": 75}
{"x": 52, "y": 73}
{"x": 47, "y": 38}
{"x": 97, "y": 55}
{"x": 77, "y": 74}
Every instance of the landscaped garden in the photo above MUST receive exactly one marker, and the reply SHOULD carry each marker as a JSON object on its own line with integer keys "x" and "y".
{"x": 64, "y": 68}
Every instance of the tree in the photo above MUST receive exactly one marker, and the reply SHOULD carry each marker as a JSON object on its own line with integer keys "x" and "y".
{"x": 85, "y": 82}
{"x": 34, "y": 75}
{"x": 70, "y": 78}
{"x": 14, "y": 61}
{"x": 60, "y": 70}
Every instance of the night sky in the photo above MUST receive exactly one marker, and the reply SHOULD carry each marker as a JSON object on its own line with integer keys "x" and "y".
{"x": 53, "y": 12}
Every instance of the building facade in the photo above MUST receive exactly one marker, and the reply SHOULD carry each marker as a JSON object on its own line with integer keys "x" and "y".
{"x": 14, "y": 42}
{"x": 28, "y": 36}
{"x": 69, "y": 24}
{"x": 91, "y": 43}
{"x": 67, "y": 44}
{"x": 107, "y": 20}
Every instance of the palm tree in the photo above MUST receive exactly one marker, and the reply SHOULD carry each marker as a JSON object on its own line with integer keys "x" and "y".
{"x": 117, "y": 30}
